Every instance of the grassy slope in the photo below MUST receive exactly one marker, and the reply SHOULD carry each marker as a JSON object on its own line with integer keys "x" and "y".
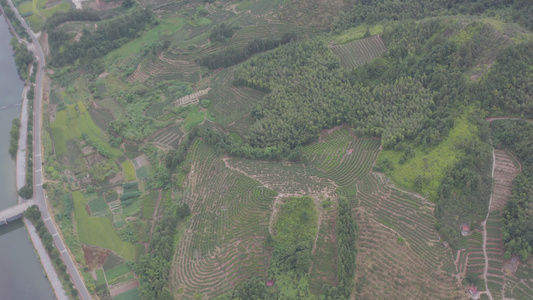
{"x": 71, "y": 123}
{"x": 129, "y": 170}
{"x": 297, "y": 221}
{"x": 165, "y": 28}
{"x": 430, "y": 162}
{"x": 356, "y": 33}
{"x": 99, "y": 231}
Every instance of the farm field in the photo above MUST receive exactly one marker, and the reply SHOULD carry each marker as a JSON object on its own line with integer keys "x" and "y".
{"x": 359, "y": 52}
{"x": 72, "y": 123}
{"x": 230, "y": 103}
{"x": 129, "y": 170}
{"x": 505, "y": 171}
{"x": 222, "y": 245}
{"x": 99, "y": 231}
{"x": 164, "y": 68}
{"x": 386, "y": 218}
{"x": 499, "y": 278}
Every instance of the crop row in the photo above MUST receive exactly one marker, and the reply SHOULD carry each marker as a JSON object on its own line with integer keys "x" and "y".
{"x": 359, "y": 52}
{"x": 229, "y": 221}
{"x": 165, "y": 69}
{"x": 287, "y": 178}
{"x": 231, "y": 103}
{"x": 394, "y": 270}
{"x": 410, "y": 218}
{"x": 517, "y": 289}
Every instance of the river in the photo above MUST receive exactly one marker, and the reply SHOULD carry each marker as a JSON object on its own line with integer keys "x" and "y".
{"x": 21, "y": 274}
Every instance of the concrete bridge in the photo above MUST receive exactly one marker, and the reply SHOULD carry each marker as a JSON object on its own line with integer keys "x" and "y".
{"x": 14, "y": 212}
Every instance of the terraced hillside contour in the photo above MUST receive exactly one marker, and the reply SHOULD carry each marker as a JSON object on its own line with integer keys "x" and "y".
{"x": 505, "y": 172}
{"x": 472, "y": 260}
{"x": 398, "y": 245}
{"x": 164, "y": 68}
{"x": 359, "y": 52}
{"x": 192, "y": 98}
{"x": 223, "y": 244}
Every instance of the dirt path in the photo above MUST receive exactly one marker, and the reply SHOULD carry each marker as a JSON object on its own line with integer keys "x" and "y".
{"x": 268, "y": 186}
{"x": 154, "y": 218}
{"x": 485, "y": 269}
{"x": 507, "y": 118}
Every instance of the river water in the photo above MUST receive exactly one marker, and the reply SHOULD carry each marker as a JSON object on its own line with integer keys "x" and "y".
{"x": 21, "y": 274}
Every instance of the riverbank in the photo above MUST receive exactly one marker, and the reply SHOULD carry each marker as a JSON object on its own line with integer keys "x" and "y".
{"x": 46, "y": 262}
{"x": 21, "y": 162}
{"x": 11, "y": 29}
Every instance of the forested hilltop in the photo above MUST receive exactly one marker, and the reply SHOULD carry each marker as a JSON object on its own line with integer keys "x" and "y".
{"x": 291, "y": 149}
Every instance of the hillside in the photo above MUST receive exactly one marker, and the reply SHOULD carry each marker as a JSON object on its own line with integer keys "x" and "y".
{"x": 283, "y": 150}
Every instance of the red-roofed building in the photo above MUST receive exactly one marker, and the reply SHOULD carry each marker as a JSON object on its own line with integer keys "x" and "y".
{"x": 350, "y": 151}
{"x": 270, "y": 283}
{"x": 472, "y": 291}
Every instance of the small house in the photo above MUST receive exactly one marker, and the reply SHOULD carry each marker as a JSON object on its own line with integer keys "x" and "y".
{"x": 465, "y": 230}
{"x": 473, "y": 293}
{"x": 350, "y": 151}
{"x": 270, "y": 283}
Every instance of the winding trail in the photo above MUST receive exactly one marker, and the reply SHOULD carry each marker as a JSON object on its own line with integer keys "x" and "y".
{"x": 490, "y": 119}
{"x": 485, "y": 269}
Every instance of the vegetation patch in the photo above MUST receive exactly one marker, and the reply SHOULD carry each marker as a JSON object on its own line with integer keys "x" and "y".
{"x": 295, "y": 232}
{"x": 25, "y": 9}
{"x": 425, "y": 170}
{"x": 129, "y": 170}
{"x": 99, "y": 208}
{"x": 99, "y": 231}
{"x": 100, "y": 279}
{"x": 194, "y": 117}
{"x": 149, "y": 203}
{"x": 357, "y": 33}
{"x": 166, "y": 27}
{"x": 71, "y": 123}
{"x": 132, "y": 294}
{"x": 62, "y": 7}
{"x": 117, "y": 272}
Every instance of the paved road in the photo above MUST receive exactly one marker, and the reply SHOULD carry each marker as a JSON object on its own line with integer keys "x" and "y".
{"x": 39, "y": 196}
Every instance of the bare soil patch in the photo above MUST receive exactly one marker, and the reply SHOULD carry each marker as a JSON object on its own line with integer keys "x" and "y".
{"x": 141, "y": 161}
{"x": 118, "y": 178}
{"x": 94, "y": 159}
{"x": 505, "y": 172}
{"x": 94, "y": 256}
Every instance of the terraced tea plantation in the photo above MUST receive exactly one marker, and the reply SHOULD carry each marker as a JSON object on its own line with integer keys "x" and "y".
{"x": 359, "y": 52}
{"x": 164, "y": 68}
{"x": 230, "y": 103}
{"x": 398, "y": 245}
{"x": 503, "y": 278}
{"x": 223, "y": 244}
{"x": 232, "y": 201}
